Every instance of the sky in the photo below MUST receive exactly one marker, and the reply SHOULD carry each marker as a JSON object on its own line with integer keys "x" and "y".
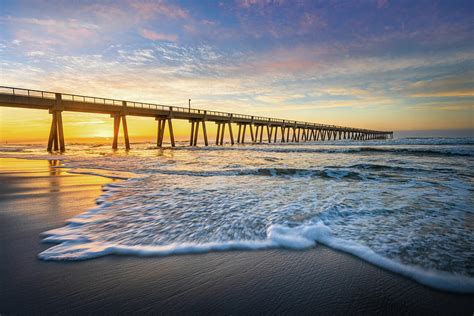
{"x": 382, "y": 64}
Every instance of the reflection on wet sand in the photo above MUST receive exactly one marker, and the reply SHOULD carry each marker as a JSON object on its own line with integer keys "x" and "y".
{"x": 53, "y": 167}
{"x": 43, "y": 189}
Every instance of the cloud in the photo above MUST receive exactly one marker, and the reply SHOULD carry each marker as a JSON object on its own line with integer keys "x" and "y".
{"x": 261, "y": 19}
{"x": 149, "y": 9}
{"x": 460, "y": 85}
{"x": 65, "y": 24}
{"x": 47, "y": 34}
{"x": 151, "y": 35}
{"x": 138, "y": 56}
{"x": 250, "y": 3}
{"x": 444, "y": 94}
{"x": 35, "y": 54}
{"x": 444, "y": 105}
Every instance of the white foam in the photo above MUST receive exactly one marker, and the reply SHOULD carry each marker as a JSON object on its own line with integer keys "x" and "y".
{"x": 77, "y": 247}
{"x": 436, "y": 279}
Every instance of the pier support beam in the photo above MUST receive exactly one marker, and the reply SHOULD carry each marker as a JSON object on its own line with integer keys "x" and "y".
{"x": 221, "y": 131}
{"x": 231, "y": 134}
{"x": 222, "y": 134}
{"x": 52, "y": 133}
{"x": 161, "y": 131}
{"x": 204, "y": 133}
{"x": 119, "y": 118}
{"x": 252, "y": 135}
{"x": 56, "y": 133}
{"x": 196, "y": 132}
{"x": 125, "y": 132}
{"x": 116, "y": 130}
{"x": 218, "y": 133}
{"x": 193, "y": 138}
{"x": 62, "y": 146}
{"x": 238, "y": 133}
{"x": 242, "y": 131}
{"x": 170, "y": 126}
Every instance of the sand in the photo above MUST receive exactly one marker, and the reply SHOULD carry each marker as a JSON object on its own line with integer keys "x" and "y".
{"x": 35, "y": 197}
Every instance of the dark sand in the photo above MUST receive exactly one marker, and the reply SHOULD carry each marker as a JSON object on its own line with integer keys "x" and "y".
{"x": 35, "y": 198}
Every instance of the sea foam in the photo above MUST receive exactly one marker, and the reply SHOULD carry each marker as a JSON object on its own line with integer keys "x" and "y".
{"x": 75, "y": 247}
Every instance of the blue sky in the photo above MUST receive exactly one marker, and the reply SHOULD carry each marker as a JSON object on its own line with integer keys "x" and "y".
{"x": 376, "y": 64}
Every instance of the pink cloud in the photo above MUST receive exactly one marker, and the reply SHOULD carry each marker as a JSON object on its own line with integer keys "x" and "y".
{"x": 149, "y": 9}
{"x": 287, "y": 66}
{"x": 50, "y": 33}
{"x": 151, "y": 35}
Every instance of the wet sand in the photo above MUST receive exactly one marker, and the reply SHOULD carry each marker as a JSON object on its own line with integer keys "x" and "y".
{"x": 34, "y": 197}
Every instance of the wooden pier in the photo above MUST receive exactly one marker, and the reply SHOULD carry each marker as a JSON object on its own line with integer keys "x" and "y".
{"x": 262, "y": 129}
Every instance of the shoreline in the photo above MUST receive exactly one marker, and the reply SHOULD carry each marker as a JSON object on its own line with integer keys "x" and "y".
{"x": 36, "y": 198}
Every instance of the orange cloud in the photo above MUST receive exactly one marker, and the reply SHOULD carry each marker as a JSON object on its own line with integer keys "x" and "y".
{"x": 442, "y": 94}
{"x": 151, "y": 35}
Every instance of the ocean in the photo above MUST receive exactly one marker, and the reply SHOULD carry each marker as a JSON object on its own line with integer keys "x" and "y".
{"x": 406, "y": 205}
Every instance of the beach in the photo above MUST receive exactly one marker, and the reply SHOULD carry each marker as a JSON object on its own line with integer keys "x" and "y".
{"x": 36, "y": 197}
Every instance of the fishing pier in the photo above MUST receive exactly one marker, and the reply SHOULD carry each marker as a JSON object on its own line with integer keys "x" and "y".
{"x": 262, "y": 129}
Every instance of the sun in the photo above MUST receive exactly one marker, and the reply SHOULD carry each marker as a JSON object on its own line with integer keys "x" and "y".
{"x": 102, "y": 133}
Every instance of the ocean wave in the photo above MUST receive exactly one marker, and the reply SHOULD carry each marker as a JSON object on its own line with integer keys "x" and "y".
{"x": 329, "y": 172}
{"x": 12, "y": 149}
{"x": 418, "y": 151}
{"x": 111, "y": 174}
{"x": 74, "y": 247}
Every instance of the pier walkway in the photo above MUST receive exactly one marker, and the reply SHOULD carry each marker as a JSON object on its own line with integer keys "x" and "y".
{"x": 262, "y": 129}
